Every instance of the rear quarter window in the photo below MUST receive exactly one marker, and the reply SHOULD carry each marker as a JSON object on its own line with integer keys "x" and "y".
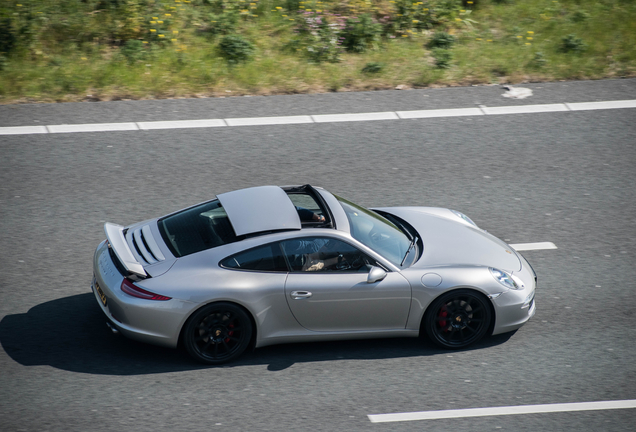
{"x": 266, "y": 258}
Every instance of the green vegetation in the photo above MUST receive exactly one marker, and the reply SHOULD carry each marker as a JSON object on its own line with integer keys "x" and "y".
{"x": 64, "y": 50}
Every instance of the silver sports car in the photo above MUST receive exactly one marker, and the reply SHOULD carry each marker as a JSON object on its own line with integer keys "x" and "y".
{"x": 268, "y": 265}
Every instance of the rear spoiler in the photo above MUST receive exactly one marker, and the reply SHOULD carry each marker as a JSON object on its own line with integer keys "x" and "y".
{"x": 117, "y": 241}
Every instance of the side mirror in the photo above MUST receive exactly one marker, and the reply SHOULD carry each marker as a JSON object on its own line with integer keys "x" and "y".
{"x": 376, "y": 274}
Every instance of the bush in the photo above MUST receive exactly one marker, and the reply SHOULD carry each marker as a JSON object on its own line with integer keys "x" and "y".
{"x": 373, "y": 68}
{"x": 441, "y": 40}
{"x": 7, "y": 38}
{"x": 571, "y": 43}
{"x": 443, "y": 58}
{"x": 133, "y": 50}
{"x": 538, "y": 61}
{"x": 361, "y": 33}
{"x": 235, "y": 49}
{"x": 224, "y": 23}
{"x": 318, "y": 36}
{"x": 579, "y": 16}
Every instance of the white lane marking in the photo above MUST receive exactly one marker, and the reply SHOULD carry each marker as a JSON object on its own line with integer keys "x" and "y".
{"x": 533, "y": 246}
{"x": 501, "y": 411}
{"x": 260, "y": 121}
{"x": 525, "y": 109}
{"x": 93, "y": 127}
{"x": 181, "y": 124}
{"x": 586, "y": 106}
{"x": 23, "y": 130}
{"x": 456, "y": 112}
{"x": 331, "y": 118}
{"x": 319, "y": 118}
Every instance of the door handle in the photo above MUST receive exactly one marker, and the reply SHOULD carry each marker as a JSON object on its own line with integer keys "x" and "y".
{"x": 299, "y": 295}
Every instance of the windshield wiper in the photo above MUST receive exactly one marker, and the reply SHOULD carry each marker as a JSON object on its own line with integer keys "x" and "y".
{"x": 415, "y": 239}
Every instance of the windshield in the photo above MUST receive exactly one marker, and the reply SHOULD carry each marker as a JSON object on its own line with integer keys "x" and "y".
{"x": 376, "y": 232}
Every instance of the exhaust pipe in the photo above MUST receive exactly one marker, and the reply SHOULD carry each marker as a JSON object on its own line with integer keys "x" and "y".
{"x": 112, "y": 328}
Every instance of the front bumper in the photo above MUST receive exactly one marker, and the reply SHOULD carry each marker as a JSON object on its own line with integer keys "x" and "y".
{"x": 515, "y": 307}
{"x": 155, "y": 322}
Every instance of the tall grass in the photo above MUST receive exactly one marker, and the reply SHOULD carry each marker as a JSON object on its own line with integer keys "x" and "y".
{"x": 112, "y": 49}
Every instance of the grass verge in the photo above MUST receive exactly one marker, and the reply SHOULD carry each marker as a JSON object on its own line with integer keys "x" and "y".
{"x": 77, "y": 50}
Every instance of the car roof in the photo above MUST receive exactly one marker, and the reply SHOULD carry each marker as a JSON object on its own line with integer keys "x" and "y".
{"x": 259, "y": 209}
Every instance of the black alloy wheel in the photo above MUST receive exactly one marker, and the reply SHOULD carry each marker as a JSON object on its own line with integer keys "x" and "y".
{"x": 458, "y": 319}
{"x": 217, "y": 333}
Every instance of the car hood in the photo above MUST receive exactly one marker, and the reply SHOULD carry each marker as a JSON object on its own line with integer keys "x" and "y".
{"x": 449, "y": 240}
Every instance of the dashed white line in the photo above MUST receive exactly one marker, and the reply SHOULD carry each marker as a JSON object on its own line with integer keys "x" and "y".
{"x": 331, "y": 118}
{"x": 320, "y": 118}
{"x": 502, "y": 411}
{"x": 181, "y": 124}
{"x": 93, "y": 127}
{"x": 533, "y": 246}
{"x": 457, "y": 112}
{"x": 23, "y": 130}
{"x": 525, "y": 109}
{"x": 261, "y": 121}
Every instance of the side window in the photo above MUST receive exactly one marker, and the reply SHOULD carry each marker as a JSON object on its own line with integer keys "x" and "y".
{"x": 306, "y": 206}
{"x": 262, "y": 258}
{"x": 323, "y": 254}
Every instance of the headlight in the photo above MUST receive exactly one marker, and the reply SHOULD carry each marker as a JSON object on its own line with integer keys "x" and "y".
{"x": 503, "y": 278}
{"x": 463, "y": 216}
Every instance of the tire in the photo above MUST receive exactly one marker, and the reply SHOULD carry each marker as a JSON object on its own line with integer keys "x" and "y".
{"x": 217, "y": 333}
{"x": 458, "y": 319}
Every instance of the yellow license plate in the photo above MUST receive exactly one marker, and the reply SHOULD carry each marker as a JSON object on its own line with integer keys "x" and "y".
{"x": 100, "y": 293}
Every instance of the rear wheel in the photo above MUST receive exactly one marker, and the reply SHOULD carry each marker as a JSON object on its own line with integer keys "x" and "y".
{"x": 458, "y": 319}
{"x": 217, "y": 333}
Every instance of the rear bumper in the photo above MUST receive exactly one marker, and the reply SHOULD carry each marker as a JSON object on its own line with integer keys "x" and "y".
{"x": 154, "y": 322}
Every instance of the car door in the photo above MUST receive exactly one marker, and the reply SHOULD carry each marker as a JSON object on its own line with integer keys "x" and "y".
{"x": 327, "y": 288}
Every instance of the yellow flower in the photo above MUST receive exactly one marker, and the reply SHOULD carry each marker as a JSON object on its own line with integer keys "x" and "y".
{"x": 318, "y": 10}
{"x": 173, "y": 40}
{"x": 458, "y": 19}
{"x": 308, "y": 10}
{"x": 530, "y": 32}
{"x": 462, "y": 11}
{"x": 469, "y": 2}
{"x": 279, "y": 8}
{"x": 175, "y": 31}
{"x": 84, "y": 58}
{"x": 145, "y": 42}
{"x": 153, "y": 22}
{"x": 155, "y": 18}
{"x": 528, "y": 43}
{"x": 489, "y": 40}
{"x": 529, "y": 38}
{"x": 285, "y": 16}
{"x": 159, "y": 22}
{"x": 405, "y": 35}
{"x": 168, "y": 14}
{"x": 519, "y": 37}
{"x": 415, "y": 21}
{"x": 153, "y": 30}
{"x": 478, "y": 39}
{"x": 161, "y": 35}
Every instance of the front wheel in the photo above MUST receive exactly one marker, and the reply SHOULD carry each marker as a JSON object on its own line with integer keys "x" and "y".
{"x": 458, "y": 319}
{"x": 217, "y": 333}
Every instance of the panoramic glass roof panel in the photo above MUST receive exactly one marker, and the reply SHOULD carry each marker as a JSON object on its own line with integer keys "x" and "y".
{"x": 258, "y": 209}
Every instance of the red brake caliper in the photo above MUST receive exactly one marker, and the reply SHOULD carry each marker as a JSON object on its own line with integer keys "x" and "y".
{"x": 443, "y": 314}
{"x": 230, "y": 333}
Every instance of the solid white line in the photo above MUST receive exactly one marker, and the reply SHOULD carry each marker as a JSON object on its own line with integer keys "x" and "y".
{"x": 455, "y": 112}
{"x": 319, "y": 118}
{"x": 93, "y": 127}
{"x": 533, "y": 246}
{"x": 585, "y": 106}
{"x": 261, "y": 121}
{"x": 525, "y": 109}
{"x": 23, "y": 130}
{"x": 331, "y": 118}
{"x": 181, "y": 124}
{"x": 501, "y": 411}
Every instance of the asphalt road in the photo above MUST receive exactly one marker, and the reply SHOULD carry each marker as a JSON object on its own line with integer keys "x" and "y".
{"x": 566, "y": 178}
